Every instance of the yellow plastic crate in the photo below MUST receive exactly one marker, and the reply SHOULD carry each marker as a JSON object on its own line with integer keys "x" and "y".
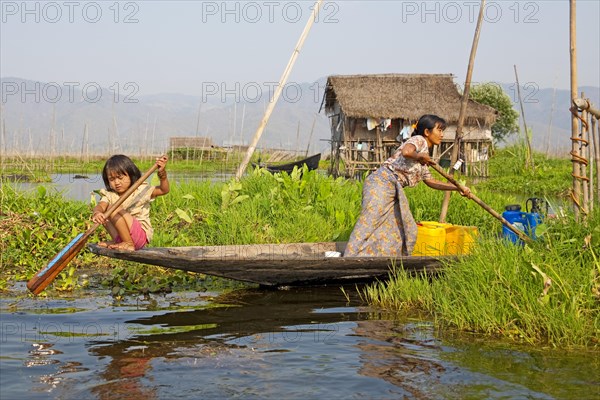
{"x": 435, "y": 239}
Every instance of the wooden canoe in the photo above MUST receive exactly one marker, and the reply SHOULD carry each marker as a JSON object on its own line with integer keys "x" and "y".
{"x": 311, "y": 162}
{"x": 275, "y": 264}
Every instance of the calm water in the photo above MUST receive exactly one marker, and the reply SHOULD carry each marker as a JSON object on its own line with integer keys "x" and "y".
{"x": 290, "y": 344}
{"x": 79, "y": 186}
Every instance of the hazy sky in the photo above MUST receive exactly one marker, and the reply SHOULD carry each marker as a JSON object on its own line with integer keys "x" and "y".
{"x": 187, "y": 46}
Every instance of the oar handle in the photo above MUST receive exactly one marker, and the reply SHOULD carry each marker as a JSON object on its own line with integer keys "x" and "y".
{"x": 477, "y": 200}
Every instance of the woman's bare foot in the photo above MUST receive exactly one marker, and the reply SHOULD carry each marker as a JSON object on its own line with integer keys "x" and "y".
{"x": 106, "y": 244}
{"x": 122, "y": 246}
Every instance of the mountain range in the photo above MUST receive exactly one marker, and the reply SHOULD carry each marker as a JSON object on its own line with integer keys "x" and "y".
{"x": 71, "y": 118}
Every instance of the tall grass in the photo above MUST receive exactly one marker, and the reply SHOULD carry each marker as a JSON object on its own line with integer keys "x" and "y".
{"x": 547, "y": 292}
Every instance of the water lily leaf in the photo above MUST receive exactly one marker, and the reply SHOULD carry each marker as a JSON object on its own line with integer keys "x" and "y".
{"x": 541, "y": 230}
{"x": 183, "y": 215}
{"x": 239, "y": 199}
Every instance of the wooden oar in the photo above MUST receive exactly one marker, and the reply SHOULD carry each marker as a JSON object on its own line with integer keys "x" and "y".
{"x": 46, "y": 275}
{"x": 477, "y": 200}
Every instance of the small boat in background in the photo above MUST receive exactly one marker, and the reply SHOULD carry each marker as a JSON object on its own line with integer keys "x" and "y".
{"x": 311, "y": 162}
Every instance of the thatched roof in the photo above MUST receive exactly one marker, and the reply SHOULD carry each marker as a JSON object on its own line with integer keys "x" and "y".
{"x": 193, "y": 142}
{"x": 406, "y": 96}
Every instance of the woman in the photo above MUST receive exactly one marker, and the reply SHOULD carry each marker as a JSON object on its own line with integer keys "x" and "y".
{"x": 386, "y": 226}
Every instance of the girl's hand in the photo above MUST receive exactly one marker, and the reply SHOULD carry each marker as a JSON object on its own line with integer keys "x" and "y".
{"x": 162, "y": 162}
{"x": 99, "y": 217}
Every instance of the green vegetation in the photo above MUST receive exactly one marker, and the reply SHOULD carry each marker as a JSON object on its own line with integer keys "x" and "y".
{"x": 545, "y": 292}
{"x": 493, "y": 95}
{"x": 551, "y": 176}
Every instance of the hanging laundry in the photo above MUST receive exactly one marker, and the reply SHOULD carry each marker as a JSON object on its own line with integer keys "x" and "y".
{"x": 385, "y": 124}
{"x": 372, "y": 123}
{"x": 405, "y": 133}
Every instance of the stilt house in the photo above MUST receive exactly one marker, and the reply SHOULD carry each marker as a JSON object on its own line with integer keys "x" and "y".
{"x": 369, "y": 112}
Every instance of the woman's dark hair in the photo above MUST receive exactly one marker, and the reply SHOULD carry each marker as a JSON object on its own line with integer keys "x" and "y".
{"x": 120, "y": 164}
{"x": 428, "y": 121}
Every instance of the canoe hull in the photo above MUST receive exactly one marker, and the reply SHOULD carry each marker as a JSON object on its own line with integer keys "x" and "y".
{"x": 311, "y": 162}
{"x": 274, "y": 264}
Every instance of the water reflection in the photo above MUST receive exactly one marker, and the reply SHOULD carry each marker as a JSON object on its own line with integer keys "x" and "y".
{"x": 222, "y": 343}
{"x": 293, "y": 344}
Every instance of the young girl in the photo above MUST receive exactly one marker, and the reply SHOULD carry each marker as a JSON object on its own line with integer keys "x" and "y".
{"x": 386, "y": 226}
{"x": 129, "y": 226}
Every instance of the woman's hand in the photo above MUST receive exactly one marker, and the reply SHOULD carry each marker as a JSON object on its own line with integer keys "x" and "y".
{"x": 466, "y": 192}
{"x": 424, "y": 159}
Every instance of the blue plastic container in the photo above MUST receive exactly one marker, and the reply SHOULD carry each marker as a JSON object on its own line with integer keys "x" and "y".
{"x": 533, "y": 220}
{"x": 523, "y": 221}
{"x": 518, "y": 219}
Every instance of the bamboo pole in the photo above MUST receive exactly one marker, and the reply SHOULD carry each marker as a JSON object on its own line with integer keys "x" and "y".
{"x": 550, "y": 123}
{"x": 584, "y": 152}
{"x": 297, "y": 146}
{"x": 282, "y": 82}
{"x": 529, "y": 159}
{"x": 576, "y": 193}
{"x": 463, "y": 107}
{"x": 596, "y": 136}
{"x": 594, "y": 163}
{"x": 483, "y": 205}
{"x": 584, "y": 104}
{"x": 310, "y": 135}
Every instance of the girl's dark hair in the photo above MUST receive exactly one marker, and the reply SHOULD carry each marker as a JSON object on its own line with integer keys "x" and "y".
{"x": 428, "y": 121}
{"x": 120, "y": 164}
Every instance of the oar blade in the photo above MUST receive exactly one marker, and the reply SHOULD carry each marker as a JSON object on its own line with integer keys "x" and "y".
{"x": 47, "y": 274}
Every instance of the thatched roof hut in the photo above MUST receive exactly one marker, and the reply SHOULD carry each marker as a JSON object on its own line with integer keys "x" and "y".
{"x": 192, "y": 142}
{"x": 405, "y": 96}
{"x": 370, "y": 113}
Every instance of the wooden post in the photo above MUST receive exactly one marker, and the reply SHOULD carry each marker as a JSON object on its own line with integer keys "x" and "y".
{"x": 282, "y": 82}
{"x": 576, "y": 193}
{"x": 596, "y": 141}
{"x": 310, "y": 136}
{"x": 584, "y": 152}
{"x": 529, "y": 160}
{"x": 550, "y": 123}
{"x": 463, "y": 108}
